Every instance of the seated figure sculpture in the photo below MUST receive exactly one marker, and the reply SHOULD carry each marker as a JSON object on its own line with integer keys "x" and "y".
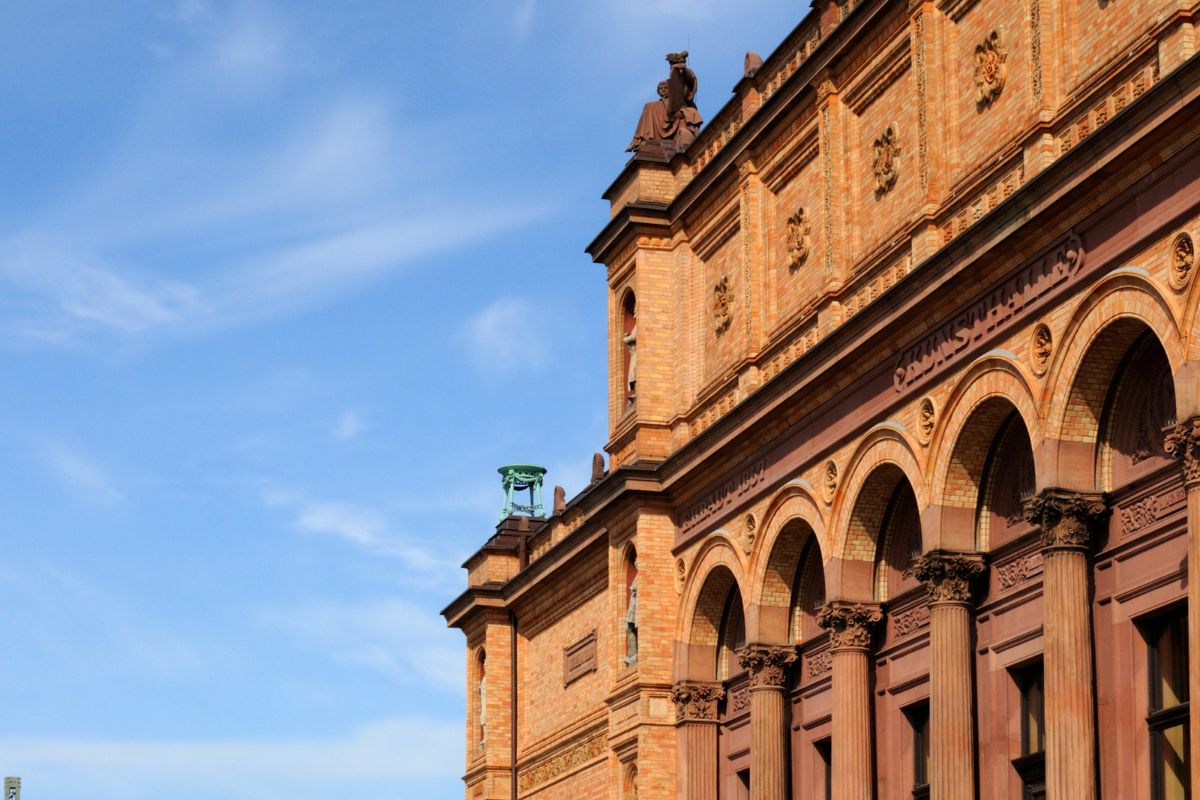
{"x": 672, "y": 122}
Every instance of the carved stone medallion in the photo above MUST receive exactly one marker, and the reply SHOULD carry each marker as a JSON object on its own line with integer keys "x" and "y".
{"x": 799, "y": 239}
{"x": 990, "y": 68}
{"x": 1183, "y": 258}
{"x": 680, "y": 574}
{"x": 926, "y": 420}
{"x": 1041, "y": 349}
{"x": 751, "y": 533}
{"x": 885, "y": 163}
{"x": 849, "y": 626}
{"x": 722, "y": 305}
{"x": 829, "y": 484}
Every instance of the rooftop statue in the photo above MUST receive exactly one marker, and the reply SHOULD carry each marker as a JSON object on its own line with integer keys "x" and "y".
{"x": 673, "y": 117}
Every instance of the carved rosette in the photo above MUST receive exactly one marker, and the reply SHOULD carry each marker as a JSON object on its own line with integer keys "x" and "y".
{"x": 849, "y": 626}
{"x": 948, "y": 577}
{"x": 722, "y": 305}
{"x": 680, "y": 574}
{"x": 696, "y": 702}
{"x": 1183, "y": 258}
{"x": 1065, "y": 517}
{"x": 1183, "y": 442}
{"x": 1041, "y": 349}
{"x": 799, "y": 239}
{"x": 767, "y": 664}
{"x": 991, "y": 68}
{"x": 926, "y": 420}
{"x": 885, "y": 163}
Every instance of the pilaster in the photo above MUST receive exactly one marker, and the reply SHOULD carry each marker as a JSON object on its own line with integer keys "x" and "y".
{"x": 1066, "y": 520}
{"x": 832, "y": 146}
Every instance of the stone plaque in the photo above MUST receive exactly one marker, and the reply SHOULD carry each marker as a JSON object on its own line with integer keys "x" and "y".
{"x": 579, "y": 659}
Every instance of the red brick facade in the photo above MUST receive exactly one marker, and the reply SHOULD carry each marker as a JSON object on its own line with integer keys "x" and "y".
{"x": 910, "y": 444}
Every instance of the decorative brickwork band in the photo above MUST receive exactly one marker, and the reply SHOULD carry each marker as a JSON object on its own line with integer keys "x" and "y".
{"x": 948, "y": 576}
{"x": 849, "y": 626}
{"x": 1183, "y": 442}
{"x": 696, "y": 702}
{"x": 1065, "y": 517}
{"x": 767, "y": 664}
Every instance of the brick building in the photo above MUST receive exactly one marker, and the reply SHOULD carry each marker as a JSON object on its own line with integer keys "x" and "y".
{"x": 907, "y": 470}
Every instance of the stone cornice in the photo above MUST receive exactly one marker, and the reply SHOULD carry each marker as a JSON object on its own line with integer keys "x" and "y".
{"x": 948, "y": 577}
{"x": 1183, "y": 442}
{"x": 1065, "y": 518}
{"x": 767, "y": 664}
{"x": 849, "y": 625}
{"x": 696, "y": 701}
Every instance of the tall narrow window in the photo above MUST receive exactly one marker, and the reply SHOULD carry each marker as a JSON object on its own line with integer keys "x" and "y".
{"x": 918, "y": 717}
{"x": 825, "y": 753}
{"x": 1168, "y": 717}
{"x": 1031, "y": 764}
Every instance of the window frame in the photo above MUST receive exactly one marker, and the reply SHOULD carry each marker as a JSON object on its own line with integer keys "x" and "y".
{"x": 1159, "y": 719}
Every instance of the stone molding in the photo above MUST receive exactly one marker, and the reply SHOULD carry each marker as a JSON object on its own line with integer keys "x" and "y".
{"x": 696, "y": 701}
{"x": 849, "y": 625}
{"x": 948, "y": 577}
{"x": 767, "y": 664}
{"x": 1065, "y": 517}
{"x": 1183, "y": 442}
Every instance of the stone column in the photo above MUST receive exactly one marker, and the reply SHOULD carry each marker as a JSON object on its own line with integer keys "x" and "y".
{"x": 1065, "y": 519}
{"x": 768, "y": 667}
{"x": 1183, "y": 442}
{"x": 696, "y": 724}
{"x": 849, "y": 629}
{"x": 948, "y": 577}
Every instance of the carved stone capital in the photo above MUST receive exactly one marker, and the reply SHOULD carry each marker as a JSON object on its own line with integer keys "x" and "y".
{"x": 948, "y": 576}
{"x": 1065, "y": 517}
{"x": 1183, "y": 442}
{"x": 767, "y": 664}
{"x": 849, "y": 625}
{"x": 696, "y": 702}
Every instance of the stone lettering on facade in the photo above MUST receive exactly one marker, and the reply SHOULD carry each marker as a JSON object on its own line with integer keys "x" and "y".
{"x": 729, "y": 491}
{"x": 992, "y": 312}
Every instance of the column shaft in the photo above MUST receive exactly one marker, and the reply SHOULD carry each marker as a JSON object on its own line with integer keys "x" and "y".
{"x": 698, "y": 754}
{"x": 1183, "y": 442}
{"x": 951, "y": 700}
{"x": 853, "y": 778}
{"x": 1070, "y": 716}
{"x": 768, "y": 745}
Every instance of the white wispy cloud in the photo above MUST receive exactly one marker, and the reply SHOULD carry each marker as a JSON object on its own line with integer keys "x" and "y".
{"x": 350, "y": 425}
{"x": 87, "y": 480}
{"x": 394, "y": 748}
{"x": 499, "y": 341}
{"x": 523, "y": 17}
{"x": 391, "y": 637}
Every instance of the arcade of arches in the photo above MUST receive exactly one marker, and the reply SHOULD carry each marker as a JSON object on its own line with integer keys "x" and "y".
{"x": 902, "y": 490}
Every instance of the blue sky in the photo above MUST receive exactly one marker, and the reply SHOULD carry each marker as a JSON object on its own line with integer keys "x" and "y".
{"x": 281, "y": 285}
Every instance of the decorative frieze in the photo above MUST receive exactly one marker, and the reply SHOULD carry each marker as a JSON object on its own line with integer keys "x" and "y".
{"x": 849, "y": 626}
{"x": 1018, "y": 570}
{"x": 569, "y": 760}
{"x": 1064, "y": 517}
{"x": 696, "y": 702}
{"x": 1183, "y": 442}
{"x": 991, "y": 68}
{"x": 1147, "y": 511}
{"x": 820, "y": 663}
{"x": 948, "y": 576}
{"x": 739, "y": 699}
{"x": 910, "y": 621}
{"x": 767, "y": 664}
{"x": 885, "y": 162}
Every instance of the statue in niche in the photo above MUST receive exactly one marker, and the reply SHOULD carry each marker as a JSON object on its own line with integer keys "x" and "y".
{"x": 672, "y": 122}
{"x": 631, "y": 621}
{"x": 630, "y": 340}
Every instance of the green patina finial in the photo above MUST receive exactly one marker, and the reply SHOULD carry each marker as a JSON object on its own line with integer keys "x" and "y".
{"x": 519, "y": 477}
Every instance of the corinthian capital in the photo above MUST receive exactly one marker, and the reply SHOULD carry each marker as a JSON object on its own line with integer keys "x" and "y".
{"x": 849, "y": 625}
{"x": 1065, "y": 517}
{"x": 696, "y": 702}
{"x": 948, "y": 576}
{"x": 767, "y": 664}
{"x": 1183, "y": 442}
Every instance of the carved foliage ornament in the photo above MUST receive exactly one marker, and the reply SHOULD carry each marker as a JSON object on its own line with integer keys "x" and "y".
{"x": 799, "y": 239}
{"x": 927, "y": 418}
{"x": 1064, "y": 517}
{"x": 1183, "y": 442}
{"x": 750, "y": 535}
{"x": 1043, "y": 347}
{"x": 722, "y": 305}
{"x": 696, "y": 702}
{"x": 886, "y": 160}
{"x": 767, "y": 664}
{"x": 990, "y": 68}
{"x": 849, "y": 626}
{"x": 947, "y": 578}
{"x": 1183, "y": 258}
